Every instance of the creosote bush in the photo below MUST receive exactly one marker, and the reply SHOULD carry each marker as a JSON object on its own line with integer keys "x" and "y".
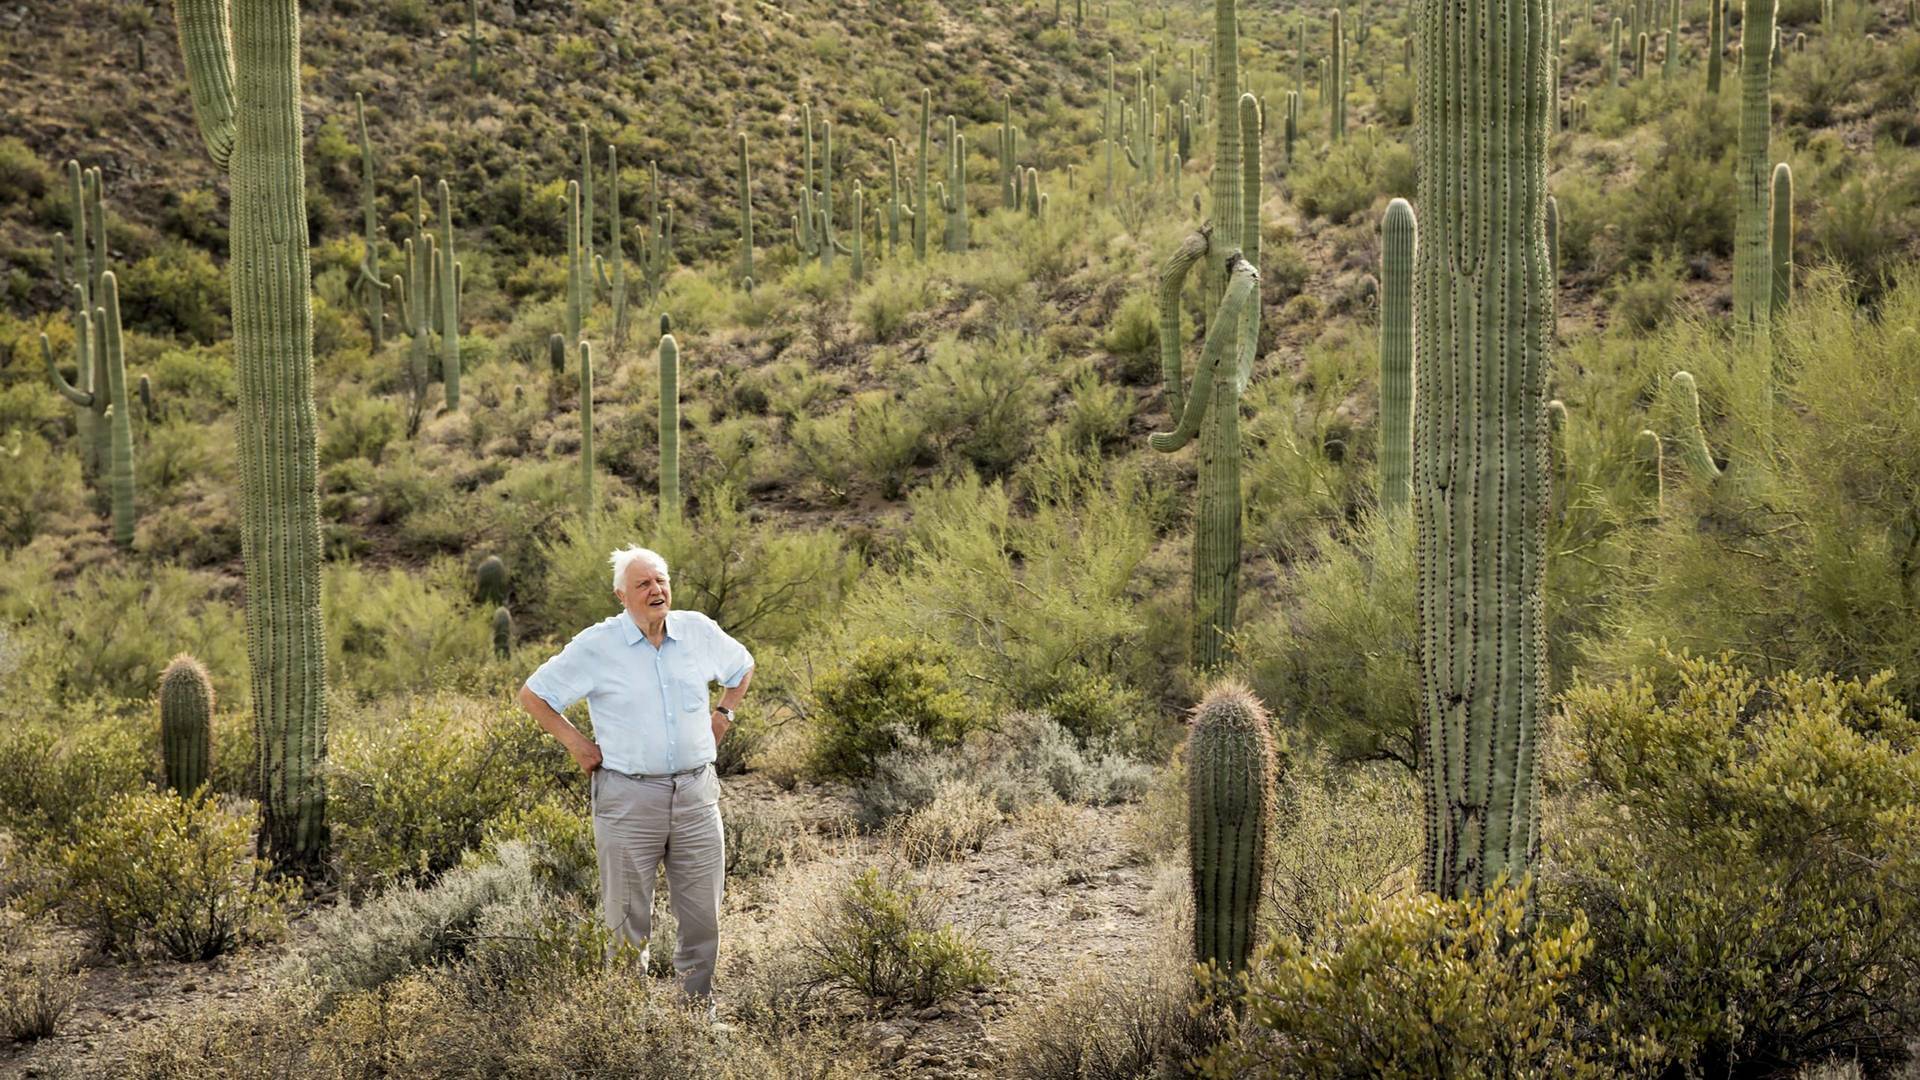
{"x": 153, "y": 872}
{"x": 887, "y": 688}
{"x": 882, "y": 937}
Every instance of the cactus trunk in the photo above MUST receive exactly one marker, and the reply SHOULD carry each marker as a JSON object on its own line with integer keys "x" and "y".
{"x": 1397, "y": 245}
{"x": 587, "y": 502}
{"x": 669, "y": 429}
{"x": 1480, "y": 430}
{"x": 120, "y": 413}
{"x": 1752, "y": 260}
{"x": 255, "y": 63}
{"x": 370, "y": 282}
{"x": 449, "y": 295}
{"x": 746, "y": 213}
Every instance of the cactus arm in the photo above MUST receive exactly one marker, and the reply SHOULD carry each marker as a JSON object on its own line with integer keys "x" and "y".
{"x": 1221, "y": 336}
{"x": 120, "y": 470}
{"x": 66, "y": 389}
{"x": 1695, "y": 453}
{"x": 1248, "y": 344}
{"x": 208, "y": 47}
{"x": 1782, "y": 243}
{"x": 669, "y": 428}
{"x": 1398, "y": 241}
{"x": 1173, "y": 277}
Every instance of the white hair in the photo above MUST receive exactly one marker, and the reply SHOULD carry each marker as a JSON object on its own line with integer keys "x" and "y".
{"x": 626, "y": 557}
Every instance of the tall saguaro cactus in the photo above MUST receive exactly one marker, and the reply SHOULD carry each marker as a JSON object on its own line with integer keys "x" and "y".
{"x": 1397, "y": 245}
{"x": 1210, "y": 411}
{"x": 669, "y": 423}
{"x": 1230, "y": 799}
{"x": 1480, "y": 497}
{"x": 746, "y": 213}
{"x": 1752, "y": 258}
{"x": 588, "y": 503}
{"x": 447, "y": 275}
{"x": 1227, "y": 226}
{"x": 370, "y": 282}
{"x": 245, "y": 75}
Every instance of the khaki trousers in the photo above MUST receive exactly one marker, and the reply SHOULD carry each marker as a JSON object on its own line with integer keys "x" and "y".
{"x": 637, "y": 823}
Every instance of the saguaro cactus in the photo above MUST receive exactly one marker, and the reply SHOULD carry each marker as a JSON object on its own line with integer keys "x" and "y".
{"x": 923, "y": 190}
{"x": 955, "y": 199}
{"x": 577, "y": 290}
{"x": 103, "y": 365}
{"x": 1782, "y": 238}
{"x": 587, "y": 502}
{"x": 251, "y": 125}
{"x": 746, "y": 212}
{"x": 1336, "y": 87}
{"x": 186, "y": 723}
{"x": 1211, "y": 410}
{"x": 448, "y": 275}
{"x": 1397, "y": 244}
{"x": 1752, "y": 259}
{"x": 1716, "y": 42}
{"x": 81, "y": 282}
{"x": 1227, "y": 180}
{"x": 370, "y": 282}
{"x": 1480, "y": 429}
{"x": 490, "y": 580}
{"x": 670, "y": 423}
{"x": 502, "y": 632}
{"x": 1684, "y": 402}
{"x": 610, "y": 271}
{"x": 1230, "y": 799}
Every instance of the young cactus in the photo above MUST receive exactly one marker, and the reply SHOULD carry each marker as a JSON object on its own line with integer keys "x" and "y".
{"x": 610, "y": 271}
{"x": 670, "y": 423}
{"x": 1782, "y": 239}
{"x": 1398, "y": 232}
{"x": 251, "y": 126}
{"x": 490, "y": 581}
{"x": 502, "y": 632}
{"x": 1684, "y": 401}
{"x": 1230, "y": 802}
{"x": 186, "y": 723}
{"x": 955, "y": 200}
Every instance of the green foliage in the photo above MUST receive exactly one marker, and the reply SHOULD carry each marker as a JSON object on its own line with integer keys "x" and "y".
{"x": 883, "y": 938}
{"x": 60, "y": 768}
{"x": 888, "y": 687}
{"x": 1336, "y": 657}
{"x": 1349, "y": 177}
{"x": 152, "y": 871}
{"x": 1644, "y": 298}
{"x": 979, "y": 399}
{"x": 23, "y": 176}
{"x": 1097, "y": 412}
{"x": 1342, "y": 832}
{"x": 1704, "y": 798}
{"x": 891, "y": 299}
{"x": 1414, "y": 987}
{"x": 399, "y": 630}
{"x": 1133, "y": 335}
{"x": 418, "y": 783}
{"x": 37, "y": 486}
{"x": 176, "y": 290}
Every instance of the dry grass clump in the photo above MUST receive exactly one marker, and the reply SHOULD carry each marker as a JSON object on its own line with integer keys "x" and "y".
{"x": 955, "y": 824}
{"x": 36, "y": 991}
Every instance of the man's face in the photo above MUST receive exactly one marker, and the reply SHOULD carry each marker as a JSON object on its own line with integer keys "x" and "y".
{"x": 647, "y": 595}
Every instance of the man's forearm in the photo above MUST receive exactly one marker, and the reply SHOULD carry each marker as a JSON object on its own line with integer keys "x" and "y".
{"x": 552, "y": 722}
{"x": 730, "y": 699}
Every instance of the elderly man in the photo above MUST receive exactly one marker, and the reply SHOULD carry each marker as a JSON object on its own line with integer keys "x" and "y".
{"x": 654, "y": 790}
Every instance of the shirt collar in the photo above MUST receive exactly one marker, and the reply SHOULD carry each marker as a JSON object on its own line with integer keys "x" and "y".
{"x": 634, "y": 635}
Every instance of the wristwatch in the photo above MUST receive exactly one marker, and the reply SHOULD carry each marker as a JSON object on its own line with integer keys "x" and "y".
{"x": 724, "y": 711}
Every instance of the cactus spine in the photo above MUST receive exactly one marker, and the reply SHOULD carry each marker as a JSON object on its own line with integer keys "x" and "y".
{"x": 1782, "y": 239}
{"x": 670, "y": 424}
{"x": 448, "y": 279}
{"x": 1752, "y": 261}
{"x": 1480, "y": 430}
{"x": 1397, "y": 245}
{"x": 1230, "y": 798}
{"x": 186, "y": 723}
{"x": 370, "y": 282}
{"x": 259, "y": 143}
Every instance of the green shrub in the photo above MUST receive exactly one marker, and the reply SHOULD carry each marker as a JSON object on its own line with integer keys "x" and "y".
{"x": 884, "y": 939}
{"x": 887, "y": 441}
{"x": 23, "y": 176}
{"x": 979, "y": 399}
{"x": 133, "y": 623}
{"x": 37, "y": 485}
{"x": 400, "y": 630}
{"x": 36, "y": 997}
{"x": 417, "y": 784}
{"x": 177, "y": 289}
{"x": 559, "y": 837}
{"x": 151, "y": 871}
{"x": 1341, "y": 831}
{"x": 955, "y": 823}
{"x": 1097, "y": 411}
{"x": 1133, "y": 335}
{"x": 59, "y": 767}
{"x": 359, "y": 426}
{"x": 1706, "y": 800}
{"x": 891, "y": 299}
{"x": 1350, "y": 176}
{"x": 886, "y": 688}
{"x": 1645, "y": 297}
{"x": 1413, "y": 987}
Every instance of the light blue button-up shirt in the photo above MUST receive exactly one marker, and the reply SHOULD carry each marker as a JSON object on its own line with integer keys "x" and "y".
{"x": 649, "y": 706}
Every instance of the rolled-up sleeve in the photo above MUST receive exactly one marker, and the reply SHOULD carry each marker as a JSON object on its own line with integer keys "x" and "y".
{"x": 566, "y": 677}
{"x": 731, "y": 660}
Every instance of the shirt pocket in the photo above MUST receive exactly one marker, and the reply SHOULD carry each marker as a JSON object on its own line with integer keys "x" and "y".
{"x": 690, "y": 699}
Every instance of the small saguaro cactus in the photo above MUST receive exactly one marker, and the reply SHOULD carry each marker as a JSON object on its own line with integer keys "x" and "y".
{"x": 1653, "y": 460}
{"x": 1033, "y": 192}
{"x": 857, "y": 243}
{"x": 447, "y": 280}
{"x": 746, "y": 212}
{"x": 1613, "y": 56}
{"x": 98, "y": 342}
{"x": 1397, "y": 243}
{"x": 670, "y": 421}
{"x": 1684, "y": 401}
{"x": 954, "y": 200}
{"x": 577, "y": 289}
{"x": 490, "y": 581}
{"x": 147, "y": 405}
{"x": 587, "y": 503}
{"x": 186, "y": 723}
{"x": 502, "y": 632}
{"x": 1231, "y": 762}
{"x": 1782, "y": 238}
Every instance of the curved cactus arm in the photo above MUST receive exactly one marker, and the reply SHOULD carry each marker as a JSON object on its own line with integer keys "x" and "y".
{"x": 397, "y": 285}
{"x": 207, "y": 44}
{"x": 1695, "y": 453}
{"x": 1224, "y": 334}
{"x": 1173, "y": 278}
{"x": 600, "y": 272}
{"x": 68, "y": 390}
